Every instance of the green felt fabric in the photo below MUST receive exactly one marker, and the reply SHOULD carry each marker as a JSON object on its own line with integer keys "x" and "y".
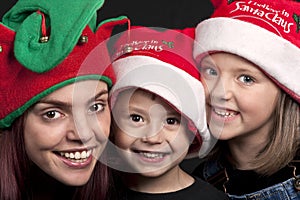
{"x": 65, "y": 19}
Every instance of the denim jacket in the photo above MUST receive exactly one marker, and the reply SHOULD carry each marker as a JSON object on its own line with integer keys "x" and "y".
{"x": 281, "y": 186}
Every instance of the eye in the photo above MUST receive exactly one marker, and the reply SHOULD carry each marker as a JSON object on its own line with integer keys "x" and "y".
{"x": 172, "y": 121}
{"x": 136, "y": 118}
{"x": 208, "y": 72}
{"x": 52, "y": 114}
{"x": 248, "y": 80}
{"x": 98, "y": 107}
{"x": 211, "y": 71}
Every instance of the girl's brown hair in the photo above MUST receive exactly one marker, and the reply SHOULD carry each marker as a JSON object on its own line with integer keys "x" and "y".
{"x": 15, "y": 170}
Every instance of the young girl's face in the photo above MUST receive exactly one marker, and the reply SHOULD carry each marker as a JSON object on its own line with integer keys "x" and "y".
{"x": 240, "y": 98}
{"x": 66, "y": 131}
{"x": 151, "y": 135}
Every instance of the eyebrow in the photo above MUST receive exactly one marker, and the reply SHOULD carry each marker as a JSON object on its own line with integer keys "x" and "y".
{"x": 207, "y": 61}
{"x": 136, "y": 108}
{"x": 101, "y": 93}
{"x": 143, "y": 111}
{"x": 68, "y": 105}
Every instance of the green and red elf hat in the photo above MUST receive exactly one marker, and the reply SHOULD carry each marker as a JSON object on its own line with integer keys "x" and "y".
{"x": 267, "y": 33}
{"x": 160, "y": 61}
{"x": 45, "y": 45}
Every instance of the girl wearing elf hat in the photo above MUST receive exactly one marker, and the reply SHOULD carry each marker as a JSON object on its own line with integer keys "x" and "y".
{"x": 158, "y": 115}
{"x": 54, "y": 115}
{"x": 248, "y": 53}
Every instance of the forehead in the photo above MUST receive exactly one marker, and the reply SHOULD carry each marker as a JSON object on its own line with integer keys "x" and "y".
{"x": 132, "y": 93}
{"x": 226, "y": 61}
{"x": 78, "y": 91}
{"x": 140, "y": 97}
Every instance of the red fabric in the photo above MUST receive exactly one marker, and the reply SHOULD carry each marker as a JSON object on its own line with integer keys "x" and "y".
{"x": 18, "y": 84}
{"x": 276, "y": 16}
{"x": 43, "y": 25}
{"x": 171, "y": 46}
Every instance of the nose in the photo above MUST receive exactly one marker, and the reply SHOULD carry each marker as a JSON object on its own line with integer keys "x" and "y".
{"x": 222, "y": 90}
{"x": 154, "y": 134}
{"x": 79, "y": 130}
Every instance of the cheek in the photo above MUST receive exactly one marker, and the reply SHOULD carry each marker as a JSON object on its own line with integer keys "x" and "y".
{"x": 262, "y": 101}
{"x": 208, "y": 86}
{"x": 181, "y": 140}
{"x": 41, "y": 137}
{"x": 101, "y": 125}
{"x": 207, "y": 94}
{"x": 122, "y": 140}
{"x": 39, "y": 142}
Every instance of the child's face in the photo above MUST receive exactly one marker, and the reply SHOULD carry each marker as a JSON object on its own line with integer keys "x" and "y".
{"x": 66, "y": 131}
{"x": 152, "y": 136}
{"x": 240, "y": 98}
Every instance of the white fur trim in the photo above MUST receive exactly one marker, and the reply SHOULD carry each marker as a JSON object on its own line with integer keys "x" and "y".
{"x": 276, "y": 56}
{"x": 179, "y": 88}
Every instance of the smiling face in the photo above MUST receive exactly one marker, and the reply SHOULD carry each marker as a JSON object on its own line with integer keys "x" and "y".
{"x": 240, "y": 98}
{"x": 151, "y": 135}
{"x": 66, "y": 131}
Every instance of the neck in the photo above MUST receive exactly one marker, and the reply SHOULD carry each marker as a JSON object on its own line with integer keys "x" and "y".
{"x": 173, "y": 180}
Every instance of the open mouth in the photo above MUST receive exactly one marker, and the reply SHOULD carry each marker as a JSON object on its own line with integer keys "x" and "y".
{"x": 76, "y": 156}
{"x": 224, "y": 113}
{"x": 151, "y": 155}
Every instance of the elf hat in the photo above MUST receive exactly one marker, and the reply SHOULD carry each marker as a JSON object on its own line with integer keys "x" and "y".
{"x": 43, "y": 49}
{"x": 261, "y": 31}
{"x": 160, "y": 61}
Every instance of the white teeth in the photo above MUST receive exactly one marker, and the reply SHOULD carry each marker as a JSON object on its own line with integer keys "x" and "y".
{"x": 83, "y": 154}
{"x": 223, "y": 113}
{"x": 72, "y": 155}
{"x": 152, "y": 155}
{"x": 88, "y": 153}
{"x": 76, "y": 155}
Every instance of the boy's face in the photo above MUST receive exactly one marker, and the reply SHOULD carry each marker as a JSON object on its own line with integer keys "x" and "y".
{"x": 151, "y": 135}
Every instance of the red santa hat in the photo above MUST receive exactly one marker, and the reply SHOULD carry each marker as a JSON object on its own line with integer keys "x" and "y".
{"x": 160, "y": 61}
{"x": 35, "y": 61}
{"x": 261, "y": 31}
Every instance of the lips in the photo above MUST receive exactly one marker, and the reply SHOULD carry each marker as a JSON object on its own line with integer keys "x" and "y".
{"x": 78, "y": 158}
{"x": 223, "y": 115}
{"x": 224, "y": 112}
{"x": 77, "y": 155}
{"x": 151, "y": 156}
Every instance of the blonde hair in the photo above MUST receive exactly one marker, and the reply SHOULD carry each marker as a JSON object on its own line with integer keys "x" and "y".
{"x": 284, "y": 139}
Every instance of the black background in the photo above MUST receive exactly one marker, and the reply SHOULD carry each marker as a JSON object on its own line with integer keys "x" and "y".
{"x": 154, "y": 13}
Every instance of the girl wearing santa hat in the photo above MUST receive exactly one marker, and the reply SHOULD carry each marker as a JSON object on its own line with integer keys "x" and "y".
{"x": 248, "y": 53}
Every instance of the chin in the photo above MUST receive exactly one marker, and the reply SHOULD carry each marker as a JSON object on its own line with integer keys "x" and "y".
{"x": 75, "y": 179}
{"x": 75, "y": 182}
{"x": 152, "y": 174}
